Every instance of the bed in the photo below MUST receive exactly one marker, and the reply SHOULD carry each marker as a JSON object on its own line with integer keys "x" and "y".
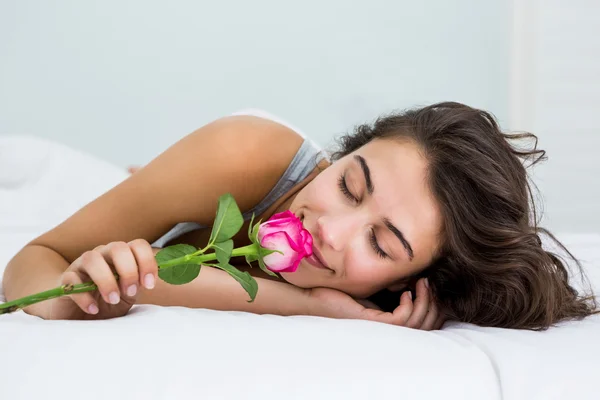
{"x": 179, "y": 353}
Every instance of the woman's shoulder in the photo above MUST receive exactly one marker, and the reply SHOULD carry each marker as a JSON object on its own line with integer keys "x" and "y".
{"x": 241, "y": 155}
{"x": 252, "y": 155}
{"x": 259, "y": 144}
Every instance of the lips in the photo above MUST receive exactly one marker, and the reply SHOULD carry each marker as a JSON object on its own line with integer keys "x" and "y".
{"x": 316, "y": 260}
{"x": 319, "y": 257}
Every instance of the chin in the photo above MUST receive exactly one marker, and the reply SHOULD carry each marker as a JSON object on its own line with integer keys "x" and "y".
{"x": 301, "y": 278}
{"x": 294, "y": 279}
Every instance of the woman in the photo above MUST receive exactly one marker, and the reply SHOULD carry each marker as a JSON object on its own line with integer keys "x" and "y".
{"x": 423, "y": 211}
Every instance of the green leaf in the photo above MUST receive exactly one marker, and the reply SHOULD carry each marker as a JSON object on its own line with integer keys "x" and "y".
{"x": 175, "y": 251}
{"x": 263, "y": 251}
{"x": 223, "y": 251}
{"x": 179, "y": 274}
{"x": 251, "y": 258}
{"x": 244, "y": 278}
{"x": 228, "y": 221}
{"x": 250, "y": 228}
{"x": 254, "y": 234}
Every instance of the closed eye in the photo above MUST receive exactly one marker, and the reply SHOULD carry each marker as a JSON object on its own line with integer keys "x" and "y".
{"x": 375, "y": 245}
{"x": 372, "y": 238}
{"x": 344, "y": 188}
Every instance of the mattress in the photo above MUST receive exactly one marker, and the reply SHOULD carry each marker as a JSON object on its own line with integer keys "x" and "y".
{"x": 180, "y": 353}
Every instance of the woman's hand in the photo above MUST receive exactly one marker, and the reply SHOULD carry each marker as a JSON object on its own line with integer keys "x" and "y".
{"x": 136, "y": 267}
{"x": 422, "y": 313}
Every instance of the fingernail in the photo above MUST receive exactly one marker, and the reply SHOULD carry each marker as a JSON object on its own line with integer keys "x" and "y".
{"x": 409, "y": 295}
{"x": 149, "y": 281}
{"x": 427, "y": 283}
{"x": 113, "y": 298}
{"x": 93, "y": 309}
{"x": 132, "y": 290}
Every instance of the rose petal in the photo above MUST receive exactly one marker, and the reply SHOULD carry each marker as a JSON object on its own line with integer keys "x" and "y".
{"x": 271, "y": 226}
{"x": 293, "y": 267}
{"x": 292, "y": 226}
{"x": 282, "y": 215}
{"x": 284, "y": 232}
{"x": 307, "y": 240}
{"x": 276, "y": 261}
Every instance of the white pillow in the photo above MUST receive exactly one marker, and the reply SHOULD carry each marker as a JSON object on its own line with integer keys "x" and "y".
{"x": 42, "y": 183}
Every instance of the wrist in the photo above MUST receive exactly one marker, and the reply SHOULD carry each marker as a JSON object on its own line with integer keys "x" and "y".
{"x": 318, "y": 306}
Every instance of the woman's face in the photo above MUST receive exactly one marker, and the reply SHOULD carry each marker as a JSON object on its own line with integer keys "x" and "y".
{"x": 372, "y": 217}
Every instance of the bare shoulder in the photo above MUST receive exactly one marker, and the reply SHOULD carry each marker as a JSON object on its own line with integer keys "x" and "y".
{"x": 241, "y": 155}
{"x": 257, "y": 152}
{"x": 255, "y": 143}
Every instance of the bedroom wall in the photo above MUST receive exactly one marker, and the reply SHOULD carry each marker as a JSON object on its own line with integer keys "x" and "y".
{"x": 555, "y": 93}
{"x": 124, "y": 80}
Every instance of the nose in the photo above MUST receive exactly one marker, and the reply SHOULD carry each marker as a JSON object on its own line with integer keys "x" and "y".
{"x": 336, "y": 231}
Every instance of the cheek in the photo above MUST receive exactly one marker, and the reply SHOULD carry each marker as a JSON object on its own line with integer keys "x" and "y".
{"x": 322, "y": 193}
{"x": 363, "y": 273}
{"x": 321, "y": 196}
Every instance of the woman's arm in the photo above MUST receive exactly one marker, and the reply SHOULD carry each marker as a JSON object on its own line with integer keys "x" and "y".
{"x": 244, "y": 156}
{"x": 34, "y": 269}
{"x": 216, "y": 290}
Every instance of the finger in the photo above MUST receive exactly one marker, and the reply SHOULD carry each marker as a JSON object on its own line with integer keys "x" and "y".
{"x": 440, "y": 321}
{"x": 402, "y": 313}
{"x": 432, "y": 315}
{"x": 121, "y": 257}
{"x": 421, "y": 306}
{"x": 85, "y": 301}
{"x": 96, "y": 267}
{"x": 147, "y": 265}
{"x": 368, "y": 304}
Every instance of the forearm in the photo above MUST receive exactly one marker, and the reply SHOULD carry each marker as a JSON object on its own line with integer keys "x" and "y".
{"x": 36, "y": 268}
{"x": 215, "y": 289}
{"x": 32, "y": 270}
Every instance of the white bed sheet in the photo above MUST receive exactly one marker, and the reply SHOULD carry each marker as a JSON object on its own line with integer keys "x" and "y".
{"x": 179, "y": 353}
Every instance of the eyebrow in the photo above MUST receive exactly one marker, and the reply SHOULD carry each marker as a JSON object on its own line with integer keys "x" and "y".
{"x": 370, "y": 189}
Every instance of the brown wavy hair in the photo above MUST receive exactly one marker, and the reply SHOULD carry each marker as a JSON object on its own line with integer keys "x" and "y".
{"x": 491, "y": 269}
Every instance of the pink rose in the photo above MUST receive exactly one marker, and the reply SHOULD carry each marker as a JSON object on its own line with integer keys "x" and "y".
{"x": 284, "y": 232}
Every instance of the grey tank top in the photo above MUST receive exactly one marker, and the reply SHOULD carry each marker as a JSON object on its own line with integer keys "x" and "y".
{"x": 304, "y": 161}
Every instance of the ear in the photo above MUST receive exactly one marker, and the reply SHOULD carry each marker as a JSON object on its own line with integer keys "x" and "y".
{"x": 397, "y": 286}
